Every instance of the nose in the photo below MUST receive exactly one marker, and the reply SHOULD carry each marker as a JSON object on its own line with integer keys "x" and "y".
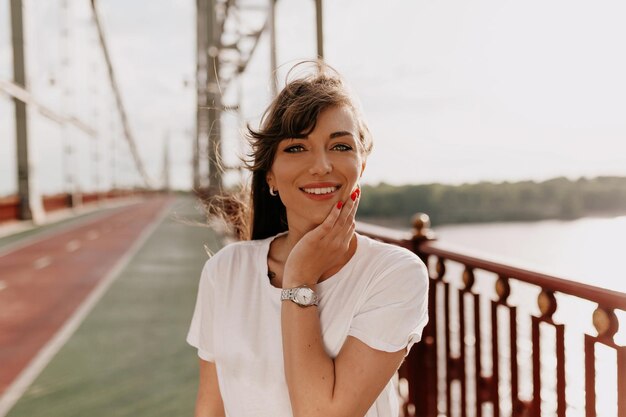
{"x": 320, "y": 164}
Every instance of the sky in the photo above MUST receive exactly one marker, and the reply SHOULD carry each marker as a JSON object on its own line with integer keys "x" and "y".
{"x": 452, "y": 91}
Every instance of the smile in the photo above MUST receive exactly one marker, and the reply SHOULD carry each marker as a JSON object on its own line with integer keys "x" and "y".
{"x": 320, "y": 191}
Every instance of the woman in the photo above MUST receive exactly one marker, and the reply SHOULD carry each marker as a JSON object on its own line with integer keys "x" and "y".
{"x": 307, "y": 318}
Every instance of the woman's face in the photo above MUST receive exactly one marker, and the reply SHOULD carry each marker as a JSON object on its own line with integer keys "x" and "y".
{"x": 312, "y": 174}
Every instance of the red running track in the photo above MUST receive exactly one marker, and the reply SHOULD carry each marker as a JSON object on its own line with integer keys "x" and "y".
{"x": 43, "y": 283}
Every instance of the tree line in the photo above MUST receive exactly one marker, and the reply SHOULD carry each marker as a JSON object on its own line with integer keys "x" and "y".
{"x": 557, "y": 198}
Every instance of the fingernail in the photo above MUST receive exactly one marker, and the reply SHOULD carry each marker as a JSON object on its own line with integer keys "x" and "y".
{"x": 339, "y": 204}
{"x": 353, "y": 195}
{"x": 358, "y": 192}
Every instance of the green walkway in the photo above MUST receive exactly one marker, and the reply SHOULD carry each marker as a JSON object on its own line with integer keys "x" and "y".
{"x": 129, "y": 357}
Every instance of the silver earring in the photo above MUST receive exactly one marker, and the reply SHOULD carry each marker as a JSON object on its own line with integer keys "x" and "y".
{"x": 273, "y": 192}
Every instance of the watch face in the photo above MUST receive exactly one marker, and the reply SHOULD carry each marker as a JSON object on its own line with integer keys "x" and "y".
{"x": 304, "y": 296}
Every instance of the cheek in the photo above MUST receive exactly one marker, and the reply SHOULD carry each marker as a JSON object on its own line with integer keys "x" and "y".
{"x": 351, "y": 167}
{"x": 283, "y": 172}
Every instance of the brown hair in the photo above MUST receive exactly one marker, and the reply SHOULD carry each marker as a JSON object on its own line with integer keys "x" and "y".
{"x": 292, "y": 113}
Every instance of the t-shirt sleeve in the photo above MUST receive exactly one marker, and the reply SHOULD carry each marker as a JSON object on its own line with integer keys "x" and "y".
{"x": 200, "y": 333}
{"x": 395, "y": 310}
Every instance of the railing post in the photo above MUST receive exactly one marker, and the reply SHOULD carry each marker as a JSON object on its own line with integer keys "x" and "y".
{"x": 422, "y": 361}
{"x": 421, "y": 233}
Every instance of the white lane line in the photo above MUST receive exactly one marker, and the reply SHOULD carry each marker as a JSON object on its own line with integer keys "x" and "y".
{"x": 72, "y": 245}
{"x": 3, "y": 285}
{"x": 56, "y": 229}
{"x": 42, "y": 262}
{"x": 93, "y": 235}
{"x": 13, "y": 393}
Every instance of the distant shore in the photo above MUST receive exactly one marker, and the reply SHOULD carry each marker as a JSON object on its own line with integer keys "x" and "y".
{"x": 485, "y": 202}
{"x": 404, "y": 223}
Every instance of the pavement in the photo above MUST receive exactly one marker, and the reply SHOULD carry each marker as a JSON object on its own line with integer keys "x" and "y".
{"x": 55, "y": 282}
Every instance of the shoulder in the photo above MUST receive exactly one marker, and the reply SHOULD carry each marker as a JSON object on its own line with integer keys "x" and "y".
{"x": 235, "y": 249}
{"x": 237, "y": 254}
{"x": 388, "y": 256}
{"x": 393, "y": 263}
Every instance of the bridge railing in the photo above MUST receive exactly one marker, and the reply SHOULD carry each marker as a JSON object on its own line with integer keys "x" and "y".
{"x": 10, "y": 205}
{"x": 496, "y": 344}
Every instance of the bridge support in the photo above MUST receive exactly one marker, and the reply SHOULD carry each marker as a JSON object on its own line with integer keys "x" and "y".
{"x": 208, "y": 123}
{"x": 320, "y": 29}
{"x": 24, "y": 189}
{"x": 201, "y": 47}
{"x": 215, "y": 100}
{"x": 271, "y": 19}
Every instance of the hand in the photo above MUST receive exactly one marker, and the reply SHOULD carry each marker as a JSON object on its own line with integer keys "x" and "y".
{"x": 321, "y": 248}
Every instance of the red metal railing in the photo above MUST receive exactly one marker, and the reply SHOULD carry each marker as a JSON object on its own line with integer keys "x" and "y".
{"x": 9, "y": 205}
{"x": 465, "y": 367}
{"x": 9, "y": 208}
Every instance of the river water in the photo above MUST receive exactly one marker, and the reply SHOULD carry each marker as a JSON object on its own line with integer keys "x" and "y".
{"x": 589, "y": 250}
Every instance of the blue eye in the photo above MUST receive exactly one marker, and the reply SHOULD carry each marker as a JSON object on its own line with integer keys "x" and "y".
{"x": 342, "y": 147}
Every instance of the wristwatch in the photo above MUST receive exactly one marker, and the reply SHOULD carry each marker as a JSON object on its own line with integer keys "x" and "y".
{"x": 303, "y": 296}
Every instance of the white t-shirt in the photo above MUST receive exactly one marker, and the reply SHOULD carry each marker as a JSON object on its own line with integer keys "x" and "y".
{"x": 380, "y": 296}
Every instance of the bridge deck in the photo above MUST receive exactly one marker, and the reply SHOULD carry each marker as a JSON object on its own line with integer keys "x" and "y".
{"x": 121, "y": 350}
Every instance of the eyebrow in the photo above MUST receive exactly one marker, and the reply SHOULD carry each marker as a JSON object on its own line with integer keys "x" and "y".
{"x": 340, "y": 133}
{"x": 331, "y": 136}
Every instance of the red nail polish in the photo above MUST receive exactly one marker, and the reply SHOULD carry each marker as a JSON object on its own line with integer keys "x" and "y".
{"x": 353, "y": 195}
{"x": 339, "y": 204}
{"x": 358, "y": 192}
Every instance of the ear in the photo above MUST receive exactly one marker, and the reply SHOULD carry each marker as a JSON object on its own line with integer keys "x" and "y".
{"x": 269, "y": 178}
{"x": 363, "y": 164}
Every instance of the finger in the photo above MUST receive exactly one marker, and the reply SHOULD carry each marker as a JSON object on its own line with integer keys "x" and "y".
{"x": 344, "y": 218}
{"x": 357, "y": 200}
{"x": 352, "y": 205}
{"x": 329, "y": 222}
{"x": 342, "y": 231}
{"x": 350, "y": 219}
{"x": 348, "y": 233}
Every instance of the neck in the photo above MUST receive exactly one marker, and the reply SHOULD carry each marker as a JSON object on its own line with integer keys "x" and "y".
{"x": 293, "y": 237}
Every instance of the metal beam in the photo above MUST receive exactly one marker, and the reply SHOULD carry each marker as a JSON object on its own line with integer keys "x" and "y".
{"x": 201, "y": 60}
{"x": 24, "y": 189}
{"x": 273, "y": 65}
{"x": 257, "y": 36}
{"x": 218, "y": 65}
{"x": 214, "y": 35}
{"x": 21, "y": 94}
{"x": 118, "y": 99}
{"x": 320, "y": 29}
{"x": 166, "y": 163}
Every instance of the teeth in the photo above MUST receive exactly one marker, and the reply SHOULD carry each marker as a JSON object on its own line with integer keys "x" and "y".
{"x": 325, "y": 190}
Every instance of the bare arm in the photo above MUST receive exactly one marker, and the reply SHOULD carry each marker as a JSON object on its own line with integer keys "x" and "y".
{"x": 209, "y": 401}
{"x": 318, "y": 384}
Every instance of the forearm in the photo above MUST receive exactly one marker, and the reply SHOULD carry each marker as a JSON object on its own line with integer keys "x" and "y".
{"x": 309, "y": 371}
